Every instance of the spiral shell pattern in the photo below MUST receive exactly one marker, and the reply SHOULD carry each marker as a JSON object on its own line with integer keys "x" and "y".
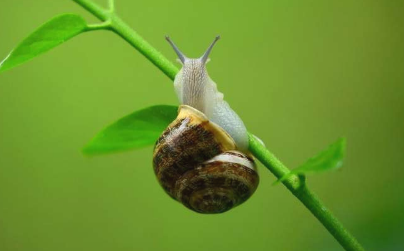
{"x": 197, "y": 163}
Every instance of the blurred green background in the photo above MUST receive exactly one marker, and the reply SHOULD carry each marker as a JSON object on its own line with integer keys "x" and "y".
{"x": 299, "y": 73}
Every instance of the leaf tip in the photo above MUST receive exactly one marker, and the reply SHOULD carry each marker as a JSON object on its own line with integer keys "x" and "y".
{"x": 86, "y": 151}
{"x": 3, "y": 65}
{"x": 341, "y": 141}
{"x": 341, "y": 144}
{"x": 90, "y": 149}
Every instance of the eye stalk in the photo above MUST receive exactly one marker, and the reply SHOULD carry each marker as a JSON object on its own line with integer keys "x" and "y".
{"x": 205, "y": 56}
{"x": 181, "y": 55}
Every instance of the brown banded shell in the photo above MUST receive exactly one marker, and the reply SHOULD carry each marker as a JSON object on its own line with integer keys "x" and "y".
{"x": 196, "y": 163}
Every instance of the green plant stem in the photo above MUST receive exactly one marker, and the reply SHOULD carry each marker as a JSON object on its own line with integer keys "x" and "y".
{"x": 123, "y": 30}
{"x": 296, "y": 184}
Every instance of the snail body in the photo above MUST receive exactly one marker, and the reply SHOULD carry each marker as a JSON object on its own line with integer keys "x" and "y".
{"x": 195, "y": 88}
{"x": 201, "y": 159}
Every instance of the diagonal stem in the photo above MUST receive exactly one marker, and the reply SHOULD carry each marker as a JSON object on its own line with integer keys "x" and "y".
{"x": 295, "y": 184}
{"x": 94, "y": 9}
{"x": 133, "y": 38}
{"x": 298, "y": 187}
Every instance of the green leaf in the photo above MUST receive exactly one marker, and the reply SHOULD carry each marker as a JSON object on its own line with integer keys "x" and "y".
{"x": 46, "y": 37}
{"x": 327, "y": 160}
{"x": 139, "y": 129}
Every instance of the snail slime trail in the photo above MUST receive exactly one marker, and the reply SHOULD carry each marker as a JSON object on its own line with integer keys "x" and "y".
{"x": 201, "y": 159}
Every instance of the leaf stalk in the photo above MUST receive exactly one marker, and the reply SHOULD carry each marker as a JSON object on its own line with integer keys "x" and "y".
{"x": 101, "y": 26}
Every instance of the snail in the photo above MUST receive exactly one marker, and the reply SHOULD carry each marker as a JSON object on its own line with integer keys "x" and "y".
{"x": 202, "y": 158}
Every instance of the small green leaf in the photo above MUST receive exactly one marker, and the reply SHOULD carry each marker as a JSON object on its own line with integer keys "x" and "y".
{"x": 46, "y": 37}
{"x": 139, "y": 129}
{"x": 327, "y": 160}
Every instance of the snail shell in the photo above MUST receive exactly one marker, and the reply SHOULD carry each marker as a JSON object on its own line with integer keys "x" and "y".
{"x": 197, "y": 163}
